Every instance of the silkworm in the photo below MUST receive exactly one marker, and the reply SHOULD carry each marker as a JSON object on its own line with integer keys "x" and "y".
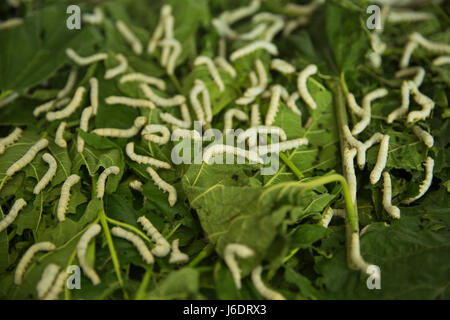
{"x": 440, "y": 48}
{"x": 407, "y": 53}
{"x": 129, "y": 36}
{"x": 231, "y": 17}
{"x": 28, "y": 256}
{"x": 130, "y": 102}
{"x": 93, "y": 82}
{"x": 136, "y": 185}
{"x": 282, "y": 146}
{"x": 84, "y": 61}
{"x": 206, "y": 101}
{"x": 162, "y": 247}
{"x": 252, "y": 47}
{"x": 349, "y": 155}
{"x": 366, "y": 106}
{"x": 136, "y": 241}
{"x": 140, "y": 77}
{"x": 419, "y": 73}
{"x": 168, "y": 35}
{"x": 144, "y": 159}
{"x": 382, "y": 157}
{"x": 274, "y": 105}
{"x": 355, "y": 254}
{"x": 303, "y": 9}
{"x": 176, "y": 256}
{"x": 183, "y": 133}
{"x": 378, "y": 48}
{"x": 440, "y": 61}
{"x": 254, "y": 33}
{"x": 65, "y": 196}
{"x": 159, "y": 101}
{"x": 302, "y": 87}
{"x": 10, "y": 139}
{"x": 176, "y": 51}
{"x": 228, "y": 118}
{"x": 427, "y": 138}
{"x": 329, "y": 214}
{"x": 291, "y": 103}
{"x": 362, "y": 148}
{"x": 70, "y": 108}
{"x": 82, "y": 247}
{"x": 393, "y": 211}
{"x": 231, "y": 251}
{"x": 101, "y": 182}
{"x": 166, "y": 11}
{"x": 10, "y": 23}
{"x": 185, "y": 123}
{"x": 282, "y": 66}
{"x": 164, "y": 186}
{"x": 262, "y": 288}
{"x": 44, "y": 107}
{"x": 276, "y": 26}
{"x": 399, "y": 16}
{"x": 119, "y": 69}
{"x": 258, "y": 86}
{"x": 139, "y": 122}
{"x": 399, "y": 112}
{"x": 27, "y": 157}
{"x": 48, "y": 276}
{"x": 215, "y": 75}
{"x": 47, "y": 178}
{"x": 147, "y": 133}
{"x": 58, "y": 286}
{"x": 219, "y": 149}
{"x": 9, "y": 99}
{"x": 84, "y": 125}
{"x": 253, "y": 79}
{"x": 18, "y": 205}
{"x": 426, "y": 183}
{"x": 59, "y": 137}
{"x": 264, "y": 130}
{"x": 294, "y": 24}
{"x": 255, "y": 119}
{"x": 94, "y": 18}
{"x": 426, "y": 103}
{"x": 196, "y": 105}
{"x": 70, "y": 84}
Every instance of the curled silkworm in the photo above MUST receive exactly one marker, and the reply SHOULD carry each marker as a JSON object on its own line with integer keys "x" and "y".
{"x": 303, "y": 9}
{"x": 176, "y": 256}
{"x": 302, "y": 87}
{"x": 228, "y": 118}
{"x": 9, "y": 99}
{"x": 71, "y": 80}
{"x": 47, "y": 157}
{"x": 258, "y": 85}
{"x": 407, "y": 53}
{"x": 28, "y": 256}
{"x": 82, "y": 247}
{"x": 27, "y": 157}
{"x": 231, "y": 251}
{"x": 162, "y": 247}
{"x": 147, "y": 133}
{"x": 262, "y": 288}
{"x": 185, "y": 123}
{"x": 426, "y": 103}
{"x": 94, "y": 18}
{"x": 164, "y": 186}
{"x": 48, "y": 276}
{"x": 136, "y": 241}
{"x": 119, "y": 69}
{"x": 140, "y": 77}
{"x": 252, "y": 47}
{"x": 255, "y": 119}
{"x": 144, "y": 159}
{"x": 356, "y": 109}
{"x": 183, "y": 133}
{"x": 176, "y": 51}
{"x": 136, "y": 185}
{"x": 426, "y": 183}
{"x": 83, "y": 61}
{"x": 212, "y": 70}
{"x": 159, "y": 101}
{"x": 362, "y": 148}
{"x": 349, "y": 155}
{"x": 427, "y": 138}
{"x": 10, "y": 23}
{"x": 18, "y": 205}
{"x": 93, "y": 82}
{"x": 44, "y": 107}
{"x": 130, "y": 102}
{"x": 101, "y": 183}
{"x": 169, "y": 22}
{"x": 274, "y": 105}
{"x": 282, "y": 146}
{"x": 70, "y": 108}
{"x": 166, "y": 11}
{"x": 84, "y": 125}
{"x": 366, "y": 106}
{"x": 419, "y": 73}
{"x": 59, "y": 137}
{"x": 226, "y": 66}
{"x": 329, "y": 214}
{"x": 264, "y": 130}
{"x": 282, "y": 66}
{"x": 291, "y": 103}
{"x": 198, "y": 88}
{"x": 219, "y": 149}
{"x": 399, "y": 16}
{"x": 10, "y": 139}
{"x": 404, "y": 107}
{"x": 65, "y": 196}
{"x": 355, "y": 254}
{"x": 129, "y": 36}
{"x": 277, "y": 24}
{"x": 440, "y": 61}
{"x": 139, "y": 122}
{"x": 382, "y": 157}
{"x": 58, "y": 286}
{"x": 393, "y": 211}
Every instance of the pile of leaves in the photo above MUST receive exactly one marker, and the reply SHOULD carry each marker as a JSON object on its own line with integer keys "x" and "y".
{"x": 222, "y": 204}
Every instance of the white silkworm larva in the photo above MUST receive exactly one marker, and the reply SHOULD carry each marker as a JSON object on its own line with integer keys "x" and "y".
{"x": 440, "y": 48}
{"x": 70, "y": 108}
{"x": 282, "y": 146}
{"x": 291, "y": 103}
{"x": 144, "y": 159}
{"x": 82, "y": 247}
{"x": 303, "y": 9}
{"x": 231, "y": 17}
{"x": 219, "y": 149}
{"x": 10, "y": 139}
{"x": 18, "y": 205}
{"x": 253, "y": 79}
{"x": 427, "y": 138}
{"x": 426, "y": 183}
{"x": 381, "y": 160}
{"x": 426, "y": 103}
{"x": 136, "y": 241}
{"x": 94, "y": 18}
{"x": 162, "y": 247}
{"x": 101, "y": 182}
{"x": 399, "y": 112}
{"x": 275, "y": 28}
{"x": 130, "y": 102}
{"x": 407, "y": 53}
{"x": 140, "y": 77}
{"x": 419, "y": 73}
{"x": 28, "y": 256}
{"x": 274, "y": 105}
{"x": 147, "y": 133}
{"x": 83, "y": 61}
{"x": 252, "y": 47}
{"x": 27, "y": 157}
{"x": 259, "y": 84}
{"x": 10, "y": 23}
{"x": 71, "y": 80}
{"x": 139, "y": 122}
{"x": 119, "y": 69}
{"x": 47, "y": 178}
{"x": 282, "y": 66}
{"x": 228, "y": 118}
{"x": 59, "y": 137}
{"x": 65, "y": 196}
{"x": 440, "y": 61}
{"x": 393, "y": 211}
{"x": 294, "y": 24}
{"x": 262, "y": 288}
{"x": 302, "y": 87}
{"x": 169, "y": 22}
{"x": 58, "y": 286}
{"x": 231, "y": 251}
{"x": 399, "y": 16}
{"x": 362, "y": 148}
{"x": 93, "y": 82}
{"x": 176, "y": 51}
{"x": 354, "y": 106}
{"x": 349, "y": 155}
{"x": 176, "y": 256}
{"x": 206, "y": 101}
{"x": 366, "y": 106}
{"x": 129, "y": 36}
{"x": 196, "y": 105}
{"x": 166, "y": 10}
{"x": 226, "y": 66}
{"x": 254, "y": 131}
{"x": 159, "y": 101}
{"x": 164, "y": 186}
{"x": 355, "y": 254}
{"x": 136, "y": 185}
{"x": 9, "y": 99}
{"x": 48, "y": 276}
{"x": 215, "y": 75}
{"x": 255, "y": 119}
{"x": 186, "y": 134}
{"x": 50, "y": 105}
{"x": 329, "y": 214}
{"x": 185, "y": 123}
{"x": 84, "y": 125}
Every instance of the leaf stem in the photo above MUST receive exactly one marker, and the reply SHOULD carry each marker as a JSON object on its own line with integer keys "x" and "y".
{"x": 176, "y": 83}
{"x": 140, "y": 295}
{"x": 207, "y": 250}
{"x": 130, "y": 227}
